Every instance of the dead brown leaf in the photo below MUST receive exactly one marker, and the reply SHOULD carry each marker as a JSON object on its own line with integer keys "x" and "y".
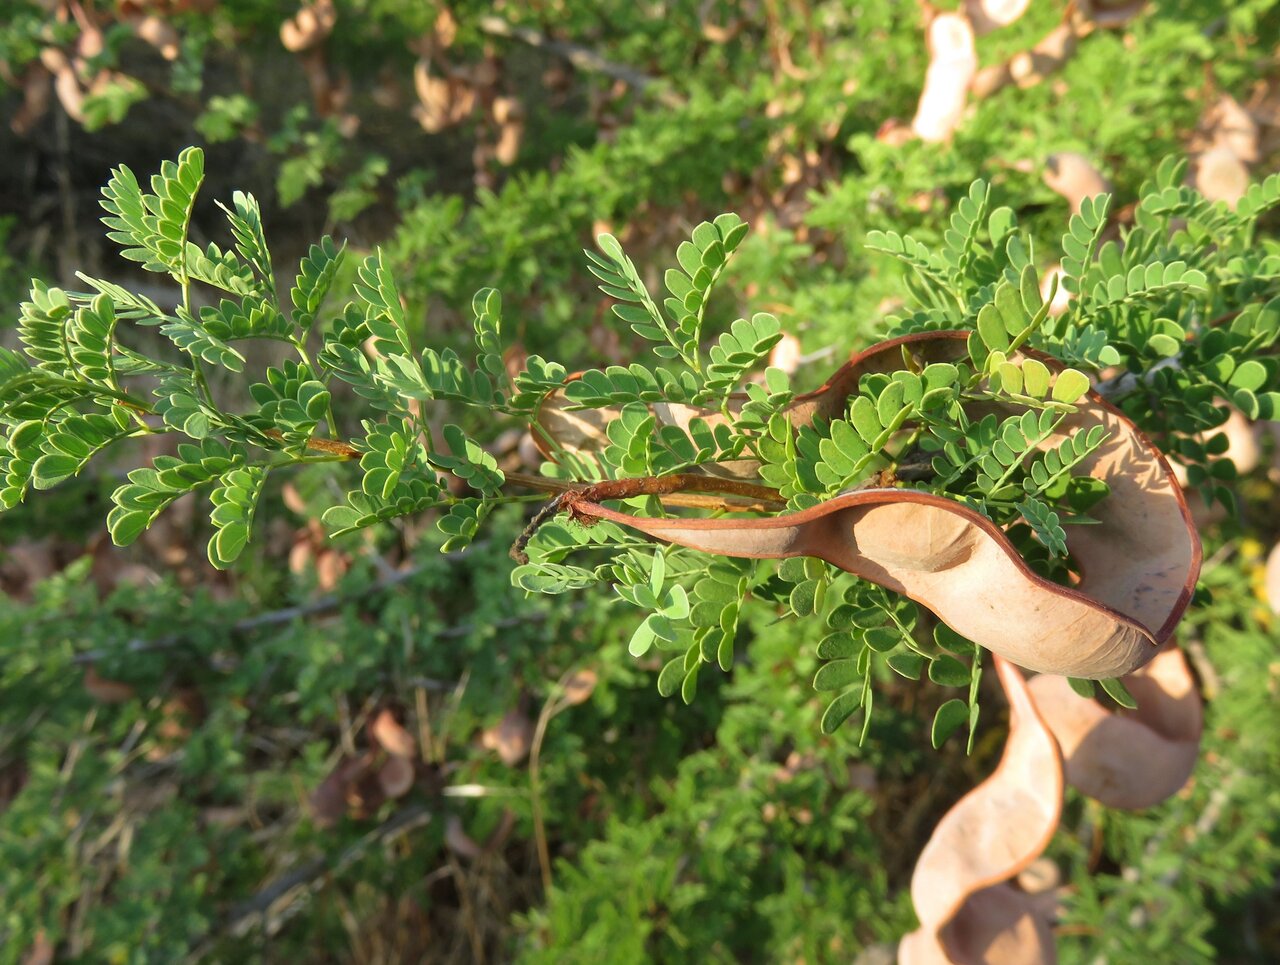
{"x": 41, "y": 951}
{"x": 352, "y": 787}
{"x": 396, "y": 776}
{"x": 310, "y": 26}
{"x": 106, "y": 691}
{"x": 579, "y": 687}
{"x": 511, "y": 737}
{"x": 392, "y": 736}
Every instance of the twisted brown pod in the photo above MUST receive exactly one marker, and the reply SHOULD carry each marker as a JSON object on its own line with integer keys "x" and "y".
{"x": 1139, "y": 565}
{"x": 967, "y": 910}
{"x": 1128, "y": 759}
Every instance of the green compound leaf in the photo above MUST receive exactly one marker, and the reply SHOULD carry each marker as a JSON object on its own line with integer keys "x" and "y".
{"x": 235, "y": 501}
{"x": 71, "y": 441}
{"x": 315, "y": 277}
{"x": 1070, "y": 387}
{"x": 150, "y": 491}
{"x": 192, "y": 337}
{"x": 741, "y": 349}
{"x": 948, "y": 719}
{"x": 245, "y": 218}
{"x": 949, "y": 672}
{"x": 469, "y": 461}
{"x": 461, "y": 523}
{"x": 1116, "y": 690}
{"x": 840, "y": 709}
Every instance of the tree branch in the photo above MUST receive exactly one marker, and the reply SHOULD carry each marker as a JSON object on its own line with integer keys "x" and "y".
{"x": 583, "y": 58}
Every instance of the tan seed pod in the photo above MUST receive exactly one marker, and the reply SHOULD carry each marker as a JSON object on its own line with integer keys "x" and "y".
{"x": 988, "y": 15}
{"x": 1128, "y": 759}
{"x": 1074, "y": 177}
{"x": 953, "y": 61}
{"x": 1139, "y": 564}
{"x": 967, "y": 913}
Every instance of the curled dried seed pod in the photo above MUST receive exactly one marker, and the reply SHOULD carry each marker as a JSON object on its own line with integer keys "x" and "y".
{"x": 1128, "y": 759}
{"x": 967, "y": 913}
{"x": 37, "y": 88}
{"x": 508, "y": 114}
{"x": 953, "y": 61}
{"x": 90, "y": 43}
{"x": 442, "y": 101}
{"x": 70, "y": 94}
{"x": 1138, "y": 565}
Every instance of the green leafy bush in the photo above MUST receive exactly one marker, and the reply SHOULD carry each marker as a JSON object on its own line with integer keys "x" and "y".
{"x": 768, "y": 814}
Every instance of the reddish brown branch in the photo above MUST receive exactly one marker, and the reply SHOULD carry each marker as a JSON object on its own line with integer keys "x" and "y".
{"x": 673, "y": 490}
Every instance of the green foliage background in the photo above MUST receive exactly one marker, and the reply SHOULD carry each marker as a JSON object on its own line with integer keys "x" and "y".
{"x": 731, "y": 829}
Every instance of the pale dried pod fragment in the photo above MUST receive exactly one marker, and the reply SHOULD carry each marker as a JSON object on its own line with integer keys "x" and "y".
{"x": 1271, "y": 579}
{"x": 953, "y": 61}
{"x": 988, "y": 15}
{"x": 1040, "y": 876}
{"x": 1074, "y": 177}
{"x": 967, "y": 913}
{"x": 786, "y": 355}
{"x": 1128, "y": 759}
{"x": 1231, "y": 126}
{"x": 310, "y": 26}
{"x": 159, "y": 33}
{"x": 1243, "y": 444}
{"x": 1220, "y": 175}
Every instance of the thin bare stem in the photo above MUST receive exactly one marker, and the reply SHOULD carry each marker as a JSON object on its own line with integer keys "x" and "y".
{"x": 755, "y": 499}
